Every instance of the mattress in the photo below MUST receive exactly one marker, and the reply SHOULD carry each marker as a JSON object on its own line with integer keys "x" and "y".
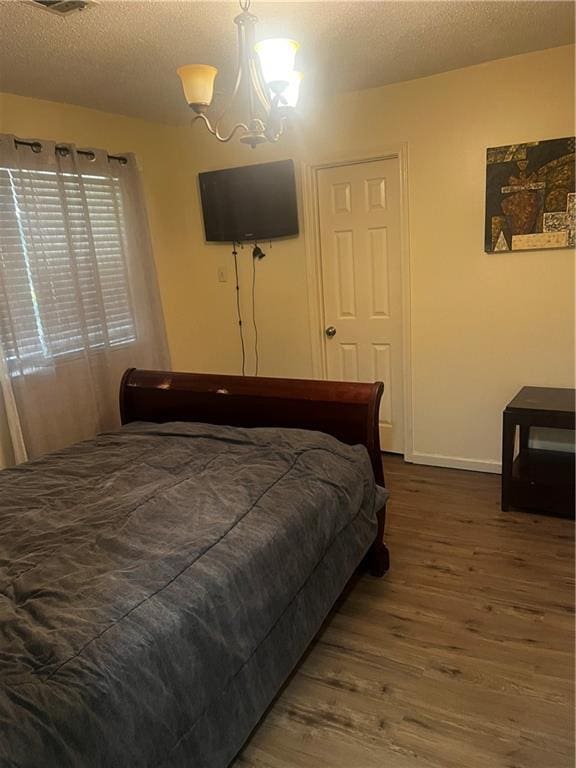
{"x": 158, "y": 584}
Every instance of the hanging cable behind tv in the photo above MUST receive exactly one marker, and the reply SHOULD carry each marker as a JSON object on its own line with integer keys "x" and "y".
{"x": 238, "y": 308}
{"x": 257, "y": 255}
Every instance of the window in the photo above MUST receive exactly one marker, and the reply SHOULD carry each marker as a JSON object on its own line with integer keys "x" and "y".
{"x": 62, "y": 255}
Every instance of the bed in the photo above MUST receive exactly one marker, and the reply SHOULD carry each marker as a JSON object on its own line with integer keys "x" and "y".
{"x": 159, "y": 583}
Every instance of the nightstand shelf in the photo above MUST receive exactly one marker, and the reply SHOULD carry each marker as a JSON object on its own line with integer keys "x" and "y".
{"x": 543, "y": 480}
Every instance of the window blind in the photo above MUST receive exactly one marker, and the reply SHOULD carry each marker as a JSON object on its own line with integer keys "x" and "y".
{"x": 62, "y": 254}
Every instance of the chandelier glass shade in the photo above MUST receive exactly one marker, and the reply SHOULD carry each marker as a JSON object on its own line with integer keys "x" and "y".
{"x": 265, "y": 74}
{"x": 198, "y": 83}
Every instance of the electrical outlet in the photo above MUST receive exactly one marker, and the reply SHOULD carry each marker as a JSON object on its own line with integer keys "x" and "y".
{"x": 222, "y": 275}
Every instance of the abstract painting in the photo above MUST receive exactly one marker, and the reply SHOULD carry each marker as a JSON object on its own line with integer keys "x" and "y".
{"x": 530, "y": 196}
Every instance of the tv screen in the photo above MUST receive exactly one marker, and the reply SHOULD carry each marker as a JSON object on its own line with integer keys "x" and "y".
{"x": 254, "y": 202}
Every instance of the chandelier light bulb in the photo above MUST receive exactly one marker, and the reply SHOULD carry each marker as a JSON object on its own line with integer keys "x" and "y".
{"x": 277, "y": 57}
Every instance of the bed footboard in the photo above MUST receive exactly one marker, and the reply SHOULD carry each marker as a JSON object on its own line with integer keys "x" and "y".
{"x": 346, "y": 410}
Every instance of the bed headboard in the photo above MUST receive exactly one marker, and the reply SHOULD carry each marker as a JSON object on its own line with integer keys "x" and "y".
{"x": 346, "y": 410}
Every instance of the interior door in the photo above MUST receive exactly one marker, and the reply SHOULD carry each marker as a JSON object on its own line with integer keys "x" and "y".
{"x": 359, "y": 208}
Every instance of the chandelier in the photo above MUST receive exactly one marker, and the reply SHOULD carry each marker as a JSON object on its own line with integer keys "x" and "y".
{"x": 265, "y": 74}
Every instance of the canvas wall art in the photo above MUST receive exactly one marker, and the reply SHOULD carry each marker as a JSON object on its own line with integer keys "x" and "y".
{"x": 530, "y": 196}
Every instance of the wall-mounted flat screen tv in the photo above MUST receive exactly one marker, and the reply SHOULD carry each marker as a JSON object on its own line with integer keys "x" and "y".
{"x": 253, "y": 202}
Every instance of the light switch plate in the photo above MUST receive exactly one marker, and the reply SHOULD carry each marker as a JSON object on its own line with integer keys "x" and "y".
{"x": 222, "y": 275}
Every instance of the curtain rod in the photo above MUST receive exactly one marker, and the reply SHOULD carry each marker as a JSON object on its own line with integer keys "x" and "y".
{"x": 62, "y": 149}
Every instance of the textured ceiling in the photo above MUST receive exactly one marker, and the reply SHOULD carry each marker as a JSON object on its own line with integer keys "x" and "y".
{"x": 120, "y": 55}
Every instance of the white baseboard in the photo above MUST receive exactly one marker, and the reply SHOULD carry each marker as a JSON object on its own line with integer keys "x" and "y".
{"x": 454, "y": 462}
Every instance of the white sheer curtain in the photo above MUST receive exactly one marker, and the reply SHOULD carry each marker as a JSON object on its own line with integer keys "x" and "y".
{"x": 79, "y": 300}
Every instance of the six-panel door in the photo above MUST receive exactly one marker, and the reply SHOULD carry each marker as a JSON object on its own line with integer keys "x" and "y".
{"x": 359, "y": 206}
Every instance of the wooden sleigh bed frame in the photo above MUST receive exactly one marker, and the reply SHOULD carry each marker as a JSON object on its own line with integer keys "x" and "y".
{"x": 347, "y": 411}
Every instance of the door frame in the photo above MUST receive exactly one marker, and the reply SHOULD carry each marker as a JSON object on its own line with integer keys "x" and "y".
{"x": 311, "y": 211}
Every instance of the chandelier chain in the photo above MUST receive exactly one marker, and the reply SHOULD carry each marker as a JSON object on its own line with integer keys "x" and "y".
{"x": 244, "y": 5}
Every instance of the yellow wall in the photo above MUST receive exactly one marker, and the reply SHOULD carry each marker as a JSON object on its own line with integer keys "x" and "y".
{"x": 482, "y": 324}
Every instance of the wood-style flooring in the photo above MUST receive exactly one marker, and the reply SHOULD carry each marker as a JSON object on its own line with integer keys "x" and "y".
{"x": 461, "y": 657}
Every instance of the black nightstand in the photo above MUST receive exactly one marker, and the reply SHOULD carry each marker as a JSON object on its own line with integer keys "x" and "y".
{"x": 538, "y": 479}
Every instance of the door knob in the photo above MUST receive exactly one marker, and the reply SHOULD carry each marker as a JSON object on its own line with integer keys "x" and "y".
{"x": 330, "y": 331}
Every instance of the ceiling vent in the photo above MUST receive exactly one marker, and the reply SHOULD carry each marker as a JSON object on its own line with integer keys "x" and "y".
{"x": 62, "y": 7}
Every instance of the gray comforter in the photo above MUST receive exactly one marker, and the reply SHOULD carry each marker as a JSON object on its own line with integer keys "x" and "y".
{"x": 157, "y": 585}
